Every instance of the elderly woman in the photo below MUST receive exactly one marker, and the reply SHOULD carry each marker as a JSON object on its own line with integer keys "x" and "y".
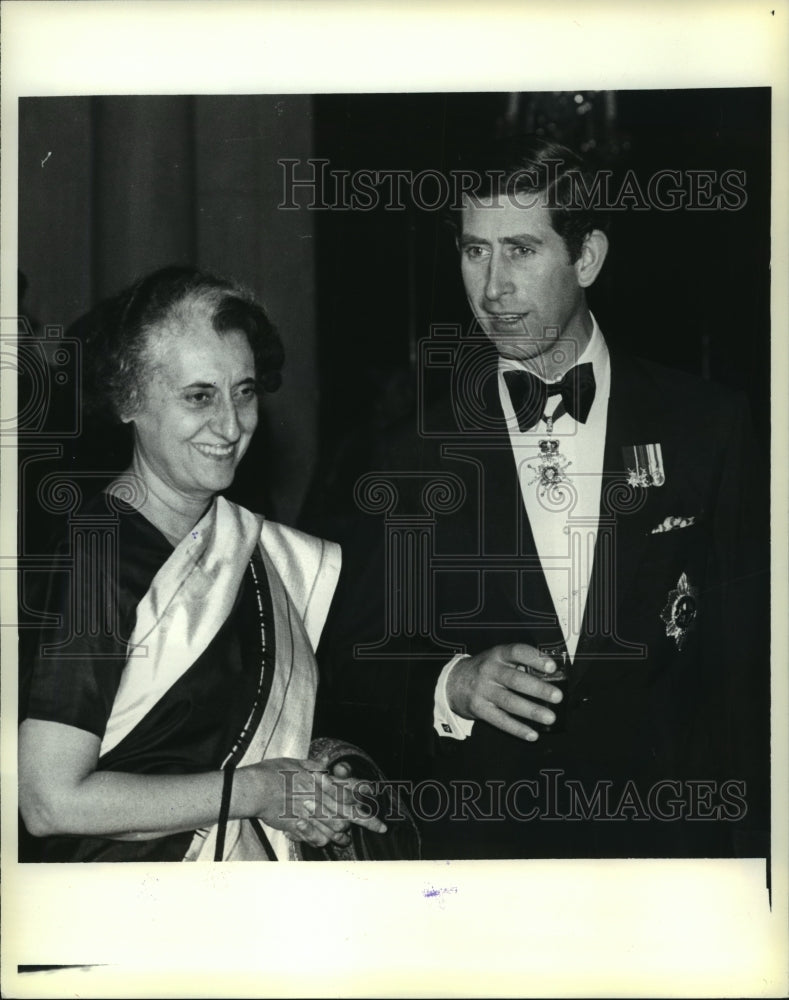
{"x": 180, "y": 731}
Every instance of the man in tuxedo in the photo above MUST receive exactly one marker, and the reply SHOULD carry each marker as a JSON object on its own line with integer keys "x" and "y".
{"x": 577, "y": 527}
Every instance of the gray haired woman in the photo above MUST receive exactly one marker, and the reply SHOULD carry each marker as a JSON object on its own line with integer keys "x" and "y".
{"x": 181, "y": 731}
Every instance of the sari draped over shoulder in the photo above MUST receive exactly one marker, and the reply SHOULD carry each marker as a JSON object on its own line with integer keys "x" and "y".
{"x": 200, "y": 594}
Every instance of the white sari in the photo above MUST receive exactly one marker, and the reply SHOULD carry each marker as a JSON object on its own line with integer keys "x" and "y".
{"x": 188, "y": 601}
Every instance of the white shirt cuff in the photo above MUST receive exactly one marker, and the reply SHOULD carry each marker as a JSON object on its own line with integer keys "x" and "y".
{"x": 445, "y": 721}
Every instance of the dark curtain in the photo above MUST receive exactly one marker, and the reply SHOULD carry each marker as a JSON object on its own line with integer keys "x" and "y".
{"x": 111, "y": 188}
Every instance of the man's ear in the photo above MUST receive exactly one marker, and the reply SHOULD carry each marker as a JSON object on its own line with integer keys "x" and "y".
{"x": 593, "y": 254}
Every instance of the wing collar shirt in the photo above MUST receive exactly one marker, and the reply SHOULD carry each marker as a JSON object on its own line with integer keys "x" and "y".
{"x": 564, "y": 532}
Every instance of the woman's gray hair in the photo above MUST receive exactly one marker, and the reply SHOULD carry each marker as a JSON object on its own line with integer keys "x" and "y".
{"x": 117, "y": 334}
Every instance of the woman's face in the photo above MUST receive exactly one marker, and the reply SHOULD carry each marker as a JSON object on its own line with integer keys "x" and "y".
{"x": 199, "y": 407}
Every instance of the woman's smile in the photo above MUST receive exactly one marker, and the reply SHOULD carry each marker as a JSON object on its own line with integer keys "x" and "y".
{"x": 221, "y": 452}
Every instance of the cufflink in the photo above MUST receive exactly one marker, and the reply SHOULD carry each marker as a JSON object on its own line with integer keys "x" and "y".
{"x": 446, "y": 727}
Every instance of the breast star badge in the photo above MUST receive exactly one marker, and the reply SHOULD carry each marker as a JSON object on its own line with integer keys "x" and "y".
{"x": 681, "y": 612}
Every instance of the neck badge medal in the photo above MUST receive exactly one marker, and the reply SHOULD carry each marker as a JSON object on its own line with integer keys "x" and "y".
{"x": 551, "y": 467}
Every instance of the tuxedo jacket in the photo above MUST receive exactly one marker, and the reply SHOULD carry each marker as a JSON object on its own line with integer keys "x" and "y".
{"x": 664, "y": 742}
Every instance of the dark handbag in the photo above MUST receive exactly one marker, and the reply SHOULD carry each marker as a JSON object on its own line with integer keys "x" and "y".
{"x": 401, "y": 842}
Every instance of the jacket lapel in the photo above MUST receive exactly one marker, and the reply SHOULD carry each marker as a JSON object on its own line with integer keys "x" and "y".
{"x": 508, "y": 532}
{"x": 634, "y": 417}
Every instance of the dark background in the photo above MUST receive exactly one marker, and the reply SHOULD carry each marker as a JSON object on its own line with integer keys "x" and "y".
{"x": 133, "y": 183}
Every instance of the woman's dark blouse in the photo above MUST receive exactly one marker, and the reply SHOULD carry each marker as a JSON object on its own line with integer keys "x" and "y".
{"x": 193, "y": 727}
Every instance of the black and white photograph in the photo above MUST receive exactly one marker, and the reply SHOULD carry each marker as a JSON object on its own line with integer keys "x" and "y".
{"x": 392, "y": 473}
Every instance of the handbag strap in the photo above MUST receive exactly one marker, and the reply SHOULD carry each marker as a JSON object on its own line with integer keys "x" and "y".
{"x": 265, "y": 843}
{"x": 224, "y": 811}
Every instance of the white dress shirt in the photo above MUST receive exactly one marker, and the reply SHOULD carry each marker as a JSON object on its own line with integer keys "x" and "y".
{"x": 564, "y": 519}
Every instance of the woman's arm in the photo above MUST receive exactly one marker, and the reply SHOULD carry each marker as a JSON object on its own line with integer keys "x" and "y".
{"x": 60, "y": 792}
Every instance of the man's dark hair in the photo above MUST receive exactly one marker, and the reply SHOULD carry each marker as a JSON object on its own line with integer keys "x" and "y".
{"x": 552, "y": 174}
{"x": 116, "y": 333}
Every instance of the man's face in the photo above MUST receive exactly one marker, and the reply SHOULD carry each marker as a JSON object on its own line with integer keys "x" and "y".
{"x": 518, "y": 278}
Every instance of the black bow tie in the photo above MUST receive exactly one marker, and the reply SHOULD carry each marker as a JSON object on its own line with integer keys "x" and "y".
{"x": 529, "y": 394}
